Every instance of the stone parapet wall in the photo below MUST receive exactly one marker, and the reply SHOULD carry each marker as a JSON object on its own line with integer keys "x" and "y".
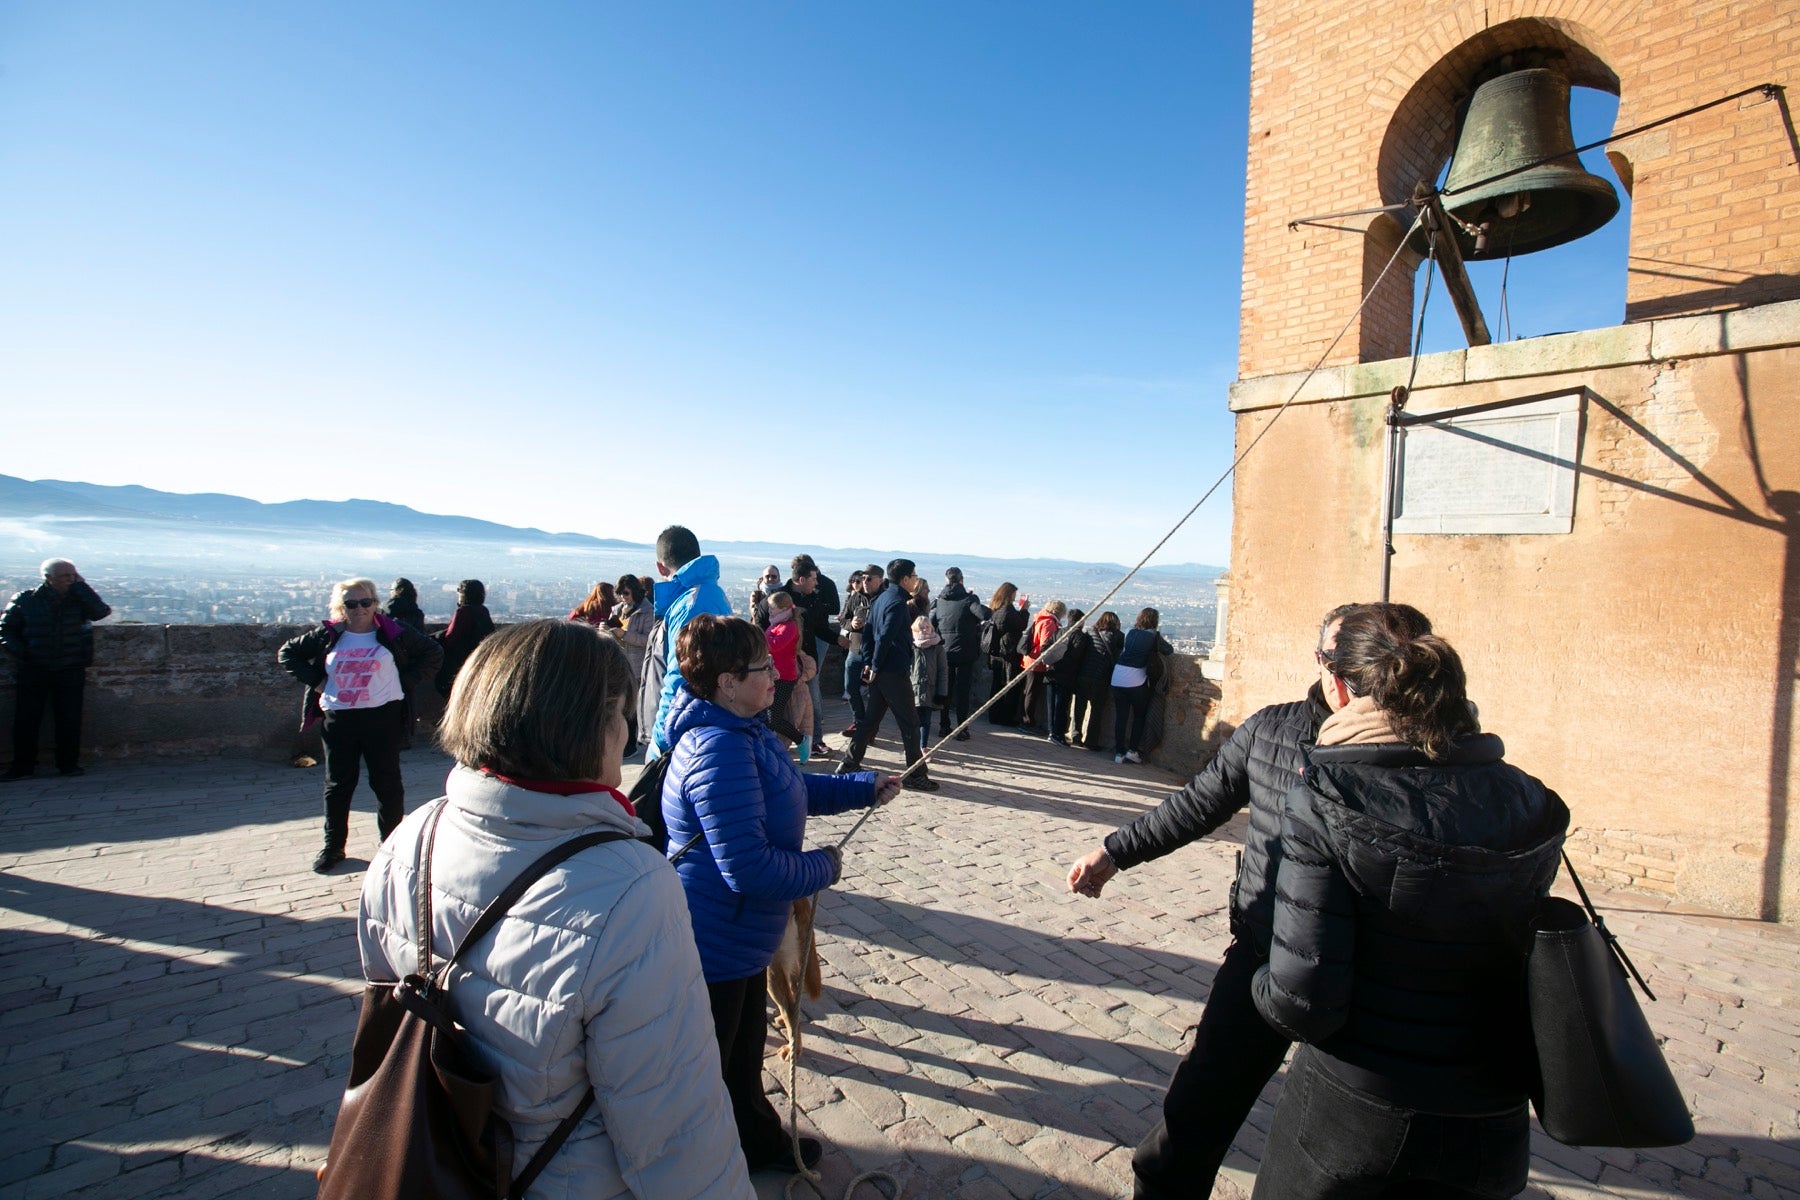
{"x": 1192, "y": 733}
{"x": 182, "y": 690}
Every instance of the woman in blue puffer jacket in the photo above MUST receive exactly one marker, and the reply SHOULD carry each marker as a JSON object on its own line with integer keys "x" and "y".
{"x": 731, "y": 780}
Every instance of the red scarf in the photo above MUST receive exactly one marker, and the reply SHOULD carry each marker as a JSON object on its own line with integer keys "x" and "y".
{"x": 564, "y": 787}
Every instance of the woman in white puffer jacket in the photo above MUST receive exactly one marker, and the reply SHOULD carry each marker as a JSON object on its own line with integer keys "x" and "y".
{"x": 592, "y": 978}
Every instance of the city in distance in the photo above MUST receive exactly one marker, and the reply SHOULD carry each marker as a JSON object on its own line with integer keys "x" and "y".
{"x": 166, "y": 558}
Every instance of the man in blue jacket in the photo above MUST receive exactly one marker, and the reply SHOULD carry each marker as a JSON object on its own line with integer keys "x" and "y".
{"x": 690, "y": 585}
{"x": 889, "y": 673}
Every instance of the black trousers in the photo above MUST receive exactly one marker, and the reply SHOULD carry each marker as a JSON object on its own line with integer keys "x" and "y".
{"x": 59, "y": 690}
{"x": 1330, "y": 1141}
{"x": 1035, "y": 711}
{"x": 1130, "y": 705}
{"x": 962, "y": 684}
{"x": 741, "y": 1021}
{"x": 352, "y": 737}
{"x": 1061, "y": 697}
{"x": 1235, "y": 1053}
{"x": 892, "y": 689}
{"x": 1002, "y": 671}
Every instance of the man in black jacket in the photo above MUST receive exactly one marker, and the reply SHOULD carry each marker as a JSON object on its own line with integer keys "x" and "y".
{"x": 958, "y": 616}
{"x": 816, "y": 610}
{"x": 49, "y": 631}
{"x": 1235, "y": 1051}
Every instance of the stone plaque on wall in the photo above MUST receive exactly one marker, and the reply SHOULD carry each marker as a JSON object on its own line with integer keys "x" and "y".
{"x": 1507, "y": 470}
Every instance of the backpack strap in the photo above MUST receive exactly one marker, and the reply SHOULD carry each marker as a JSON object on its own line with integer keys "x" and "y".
{"x": 548, "y": 1150}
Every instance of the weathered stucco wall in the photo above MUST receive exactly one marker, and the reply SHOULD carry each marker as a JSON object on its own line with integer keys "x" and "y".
{"x": 1644, "y": 663}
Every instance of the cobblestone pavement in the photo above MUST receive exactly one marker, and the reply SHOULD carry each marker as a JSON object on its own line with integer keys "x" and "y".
{"x": 178, "y": 990}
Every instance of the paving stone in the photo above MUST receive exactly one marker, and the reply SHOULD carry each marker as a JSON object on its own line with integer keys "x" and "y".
{"x": 176, "y": 1002}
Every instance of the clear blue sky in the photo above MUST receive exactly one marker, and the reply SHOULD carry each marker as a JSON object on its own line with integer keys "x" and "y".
{"x": 952, "y": 277}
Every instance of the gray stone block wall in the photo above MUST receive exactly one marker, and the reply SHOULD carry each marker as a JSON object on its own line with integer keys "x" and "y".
{"x": 182, "y": 690}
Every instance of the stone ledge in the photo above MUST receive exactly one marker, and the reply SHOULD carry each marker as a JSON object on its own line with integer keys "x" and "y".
{"x": 1764, "y": 327}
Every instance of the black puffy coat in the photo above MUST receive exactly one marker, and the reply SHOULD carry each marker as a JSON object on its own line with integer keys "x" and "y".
{"x": 1256, "y": 766}
{"x": 42, "y": 629}
{"x": 816, "y": 612}
{"x": 958, "y": 616}
{"x": 1103, "y": 649}
{"x": 1406, "y": 888}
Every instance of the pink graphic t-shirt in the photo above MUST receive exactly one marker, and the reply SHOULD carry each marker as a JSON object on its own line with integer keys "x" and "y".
{"x": 359, "y": 673}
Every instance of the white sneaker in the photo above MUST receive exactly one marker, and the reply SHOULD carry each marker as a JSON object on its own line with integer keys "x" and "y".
{"x": 1118, "y": 758}
{"x": 1131, "y": 756}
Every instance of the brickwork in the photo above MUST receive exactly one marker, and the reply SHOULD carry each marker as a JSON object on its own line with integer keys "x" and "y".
{"x": 1351, "y": 104}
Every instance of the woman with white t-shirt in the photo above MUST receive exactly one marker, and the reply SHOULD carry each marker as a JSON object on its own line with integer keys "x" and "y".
{"x": 358, "y": 669}
{"x": 1131, "y": 685}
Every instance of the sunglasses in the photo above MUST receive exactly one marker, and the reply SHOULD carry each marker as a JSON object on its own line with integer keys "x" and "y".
{"x": 365, "y": 602}
{"x": 1326, "y": 661}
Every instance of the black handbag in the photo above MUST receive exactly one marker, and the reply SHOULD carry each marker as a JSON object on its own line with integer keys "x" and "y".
{"x": 417, "y": 1118}
{"x": 1601, "y": 1077}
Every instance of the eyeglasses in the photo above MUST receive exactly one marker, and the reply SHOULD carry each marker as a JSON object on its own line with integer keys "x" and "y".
{"x": 767, "y": 665}
{"x": 365, "y": 602}
{"x": 1325, "y": 660}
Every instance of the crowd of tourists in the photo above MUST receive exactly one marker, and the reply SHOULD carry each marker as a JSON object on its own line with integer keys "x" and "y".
{"x": 1391, "y": 866}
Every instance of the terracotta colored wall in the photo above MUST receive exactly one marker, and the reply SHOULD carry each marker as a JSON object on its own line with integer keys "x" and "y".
{"x": 1644, "y": 664}
{"x": 1351, "y": 103}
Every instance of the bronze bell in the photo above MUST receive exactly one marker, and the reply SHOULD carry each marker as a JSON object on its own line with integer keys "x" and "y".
{"x": 1513, "y": 119}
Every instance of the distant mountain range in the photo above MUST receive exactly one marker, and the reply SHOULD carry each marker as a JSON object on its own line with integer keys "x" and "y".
{"x": 123, "y": 510}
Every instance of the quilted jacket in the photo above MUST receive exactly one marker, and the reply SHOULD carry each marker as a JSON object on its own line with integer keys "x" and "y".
{"x": 1256, "y": 766}
{"x": 731, "y": 778}
{"x": 591, "y": 978}
{"x": 1404, "y": 894}
{"x": 42, "y": 629}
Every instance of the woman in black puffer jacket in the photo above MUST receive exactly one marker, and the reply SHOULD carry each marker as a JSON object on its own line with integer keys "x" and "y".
{"x": 1093, "y": 681}
{"x": 1412, "y": 860}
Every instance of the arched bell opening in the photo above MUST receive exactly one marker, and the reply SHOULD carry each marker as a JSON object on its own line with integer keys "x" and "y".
{"x": 1545, "y": 248}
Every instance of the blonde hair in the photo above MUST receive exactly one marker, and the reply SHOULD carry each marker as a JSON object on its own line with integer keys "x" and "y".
{"x": 343, "y": 587}
{"x": 1056, "y": 608}
{"x": 534, "y": 701}
{"x": 781, "y": 600}
{"x": 921, "y": 624}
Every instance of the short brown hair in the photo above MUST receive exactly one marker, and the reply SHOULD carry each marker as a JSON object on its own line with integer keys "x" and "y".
{"x": 1147, "y": 618}
{"x": 712, "y": 646}
{"x": 1107, "y": 622}
{"x": 534, "y": 701}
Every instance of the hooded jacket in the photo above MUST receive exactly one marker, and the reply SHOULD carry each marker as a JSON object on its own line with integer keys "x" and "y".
{"x": 589, "y": 980}
{"x": 693, "y": 589}
{"x": 1406, "y": 888}
{"x": 731, "y": 778}
{"x": 958, "y": 616}
{"x": 1256, "y": 766}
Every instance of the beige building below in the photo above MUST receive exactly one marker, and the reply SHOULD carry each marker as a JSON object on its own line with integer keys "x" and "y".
{"x": 1618, "y": 560}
